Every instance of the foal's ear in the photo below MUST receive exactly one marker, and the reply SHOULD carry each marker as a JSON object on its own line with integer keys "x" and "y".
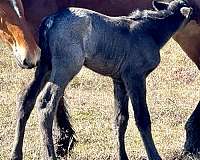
{"x": 159, "y": 5}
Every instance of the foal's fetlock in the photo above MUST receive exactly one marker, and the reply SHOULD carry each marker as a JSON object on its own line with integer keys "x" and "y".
{"x": 16, "y": 156}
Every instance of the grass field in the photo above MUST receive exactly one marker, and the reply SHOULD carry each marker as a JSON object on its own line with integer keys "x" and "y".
{"x": 173, "y": 92}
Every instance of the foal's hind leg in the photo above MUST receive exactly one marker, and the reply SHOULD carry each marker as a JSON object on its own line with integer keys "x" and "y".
{"x": 121, "y": 116}
{"x": 136, "y": 88}
{"x": 25, "y": 105}
{"x": 63, "y": 71}
{"x": 47, "y": 103}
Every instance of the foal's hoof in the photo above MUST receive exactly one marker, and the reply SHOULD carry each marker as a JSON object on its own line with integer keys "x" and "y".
{"x": 16, "y": 157}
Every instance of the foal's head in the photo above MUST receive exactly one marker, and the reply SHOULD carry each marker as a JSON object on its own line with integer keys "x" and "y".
{"x": 195, "y": 4}
{"x": 15, "y": 32}
{"x": 180, "y": 8}
{"x": 163, "y": 9}
{"x": 175, "y": 6}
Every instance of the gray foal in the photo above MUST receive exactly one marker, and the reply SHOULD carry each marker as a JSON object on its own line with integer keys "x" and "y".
{"x": 125, "y": 48}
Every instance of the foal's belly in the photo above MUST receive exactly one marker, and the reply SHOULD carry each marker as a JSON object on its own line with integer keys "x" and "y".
{"x": 103, "y": 65}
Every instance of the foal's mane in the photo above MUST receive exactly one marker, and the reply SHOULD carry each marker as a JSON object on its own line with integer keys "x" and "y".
{"x": 149, "y": 14}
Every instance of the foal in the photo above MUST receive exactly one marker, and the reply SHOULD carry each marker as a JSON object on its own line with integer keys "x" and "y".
{"x": 124, "y": 48}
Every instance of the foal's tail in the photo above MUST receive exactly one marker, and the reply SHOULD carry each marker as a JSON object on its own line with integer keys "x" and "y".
{"x": 46, "y": 24}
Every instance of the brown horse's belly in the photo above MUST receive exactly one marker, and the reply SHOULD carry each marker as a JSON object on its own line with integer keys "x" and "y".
{"x": 189, "y": 40}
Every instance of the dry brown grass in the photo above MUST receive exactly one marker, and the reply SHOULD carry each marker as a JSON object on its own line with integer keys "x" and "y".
{"x": 173, "y": 92}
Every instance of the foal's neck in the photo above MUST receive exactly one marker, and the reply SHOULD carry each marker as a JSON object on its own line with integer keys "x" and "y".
{"x": 163, "y": 29}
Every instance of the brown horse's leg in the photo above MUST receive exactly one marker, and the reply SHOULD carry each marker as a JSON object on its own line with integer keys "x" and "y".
{"x": 192, "y": 144}
{"x": 66, "y": 139}
{"x": 121, "y": 116}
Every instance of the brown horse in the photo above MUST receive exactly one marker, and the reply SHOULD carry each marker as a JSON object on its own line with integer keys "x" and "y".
{"x": 17, "y": 33}
{"x": 19, "y": 28}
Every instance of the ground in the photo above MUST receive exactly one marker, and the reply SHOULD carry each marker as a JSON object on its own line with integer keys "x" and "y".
{"x": 173, "y": 92}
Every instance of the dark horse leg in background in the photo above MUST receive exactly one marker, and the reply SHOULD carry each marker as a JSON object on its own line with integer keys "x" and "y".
{"x": 192, "y": 144}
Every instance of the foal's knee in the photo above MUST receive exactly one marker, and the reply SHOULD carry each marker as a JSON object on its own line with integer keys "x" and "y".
{"x": 43, "y": 100}
{"x": 143, "y": 122}
{"x": 121, "y": 120}
{"x": 45, "y": 110}
{"x": 48, "y": 99}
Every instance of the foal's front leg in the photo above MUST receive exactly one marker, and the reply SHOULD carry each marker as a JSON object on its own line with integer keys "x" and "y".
{"x": 136, "y": 88}
{"x": 121, "y": 116}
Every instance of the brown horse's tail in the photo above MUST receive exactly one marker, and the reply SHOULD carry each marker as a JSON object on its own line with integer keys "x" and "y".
{"x": 65, "y": 139}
